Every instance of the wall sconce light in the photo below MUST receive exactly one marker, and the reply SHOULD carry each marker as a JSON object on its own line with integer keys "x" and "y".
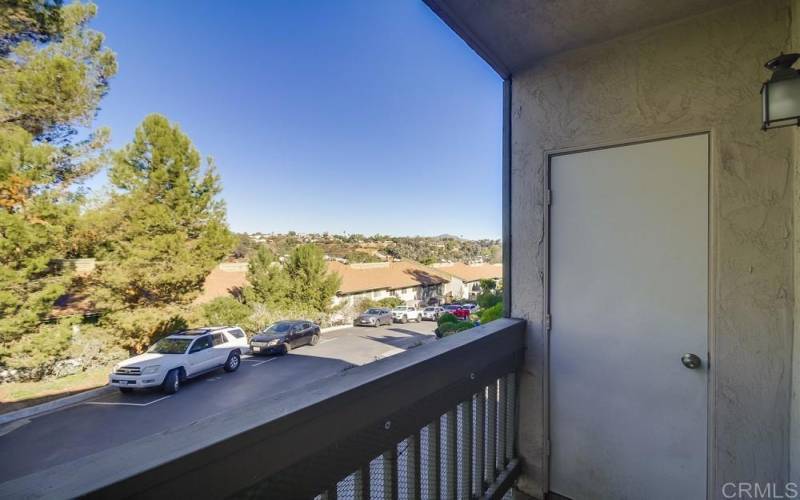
{"x": 780, "y": 95}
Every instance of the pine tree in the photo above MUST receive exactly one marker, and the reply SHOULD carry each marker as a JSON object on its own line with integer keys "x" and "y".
{"x": 165, "y": 227}
{"x": 302, "y": 283}
{"x": 269, "y": 283}
{"x": 53, "y": 73}
{"x": 312, "y": 284}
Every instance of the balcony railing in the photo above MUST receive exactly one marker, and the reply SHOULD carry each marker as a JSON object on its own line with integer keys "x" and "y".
{"x": 437, "y": 421}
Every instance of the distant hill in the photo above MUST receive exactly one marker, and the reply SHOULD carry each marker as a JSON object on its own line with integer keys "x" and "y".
{"x": 376, "y": 248}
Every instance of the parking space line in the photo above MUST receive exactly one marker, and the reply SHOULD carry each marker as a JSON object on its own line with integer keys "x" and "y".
{"x": 265, "y": 361}
{"x": 110, "y": 403}
{"x": 328, "y": 340}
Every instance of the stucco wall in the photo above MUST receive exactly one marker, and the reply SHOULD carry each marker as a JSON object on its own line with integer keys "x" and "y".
{"x": 703, "y": 73}
{"x": 794, "y": 432}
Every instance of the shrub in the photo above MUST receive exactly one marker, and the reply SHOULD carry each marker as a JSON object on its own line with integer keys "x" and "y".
{"x": 263, "y": 316}
{"x": 487, "y": 300}
{"x": 50, "y": 343}
{"x": 451, "y": 328}
{"x": 365, "y": 304}
{"x": 447, "y": 318}
{"x": 492, "y": 313}
{"x": 390, "y": 302}
{"x": 137, "y": 329}
{"x": 225, "y": 311}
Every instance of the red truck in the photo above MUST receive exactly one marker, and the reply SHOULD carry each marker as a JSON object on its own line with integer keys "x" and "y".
{"x": 458, "y": 311}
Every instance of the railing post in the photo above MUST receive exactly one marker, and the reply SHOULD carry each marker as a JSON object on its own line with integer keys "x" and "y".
{"x": 511, "y": 415}
{"x": 361, "y": 483}
{"x": 413, "y": 468}
{"x": 465, "y": 478}
{"x": 491, "y": 432}
{"x": 480, "y": 440}
{"x": 390, "y": 473}
{"x": 500, "y": 461}
{"x": 451, "y": 480}
{"x": 330, "y": 494}
{"x": 434, "y": 459}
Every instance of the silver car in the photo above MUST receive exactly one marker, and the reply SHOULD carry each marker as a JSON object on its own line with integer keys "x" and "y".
{"x": 432, "y": 313}
{"x": 374, "y": 317}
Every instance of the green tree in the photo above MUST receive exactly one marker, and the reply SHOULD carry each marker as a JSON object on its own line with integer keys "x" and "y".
{"x": 390, "y": 302}
{"x": 164, "y": 227}
{"x": 48, "y": 89}
{"x": 269, "y": 283}
{"x": 488, "y": 285}
{"x": 226, "y": 311}
{"x": 302, "y": 282}
{"x": 28, "y": 20}
{"x": 489, "y": 299}
{"x": 311, "y": 283}
{"x": 53, "y": 72}
{"x": 364, "y": 304}
{"x": 358, "y": 257}
{"x": 492, "y": 313}
{"x": 244, "y": 246}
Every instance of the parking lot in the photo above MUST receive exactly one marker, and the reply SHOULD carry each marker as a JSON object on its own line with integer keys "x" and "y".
{"x": 114, "y": 419}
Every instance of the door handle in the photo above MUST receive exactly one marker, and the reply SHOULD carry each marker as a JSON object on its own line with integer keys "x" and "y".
{"x": 691, "y": 361}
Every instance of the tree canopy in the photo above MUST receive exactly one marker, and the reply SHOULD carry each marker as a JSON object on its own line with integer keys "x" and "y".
{"x": 53, "y": 72}
{"x": 163, "y": 228}
{"x": 303, "y": 280}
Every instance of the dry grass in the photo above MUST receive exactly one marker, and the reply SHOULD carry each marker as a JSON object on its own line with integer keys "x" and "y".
{"x": 18, "y": 395}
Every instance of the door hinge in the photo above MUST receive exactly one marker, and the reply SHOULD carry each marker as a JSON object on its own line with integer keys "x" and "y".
{"x": 548, "y": 197}
{"x": 548, "y": 322}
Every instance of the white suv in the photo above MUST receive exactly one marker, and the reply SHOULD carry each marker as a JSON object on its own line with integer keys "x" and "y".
{"x": 404, "y": 314}
{"x": 181, "y": 356}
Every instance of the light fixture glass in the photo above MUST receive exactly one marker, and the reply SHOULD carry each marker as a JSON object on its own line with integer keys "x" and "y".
{"x": 781, "y": 94}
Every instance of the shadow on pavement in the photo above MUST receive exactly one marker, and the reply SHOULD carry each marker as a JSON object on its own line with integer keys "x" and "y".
{"x": 398, "y": 341}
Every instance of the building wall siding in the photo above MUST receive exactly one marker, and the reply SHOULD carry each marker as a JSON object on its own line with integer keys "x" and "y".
{"x": 702, "y": 73}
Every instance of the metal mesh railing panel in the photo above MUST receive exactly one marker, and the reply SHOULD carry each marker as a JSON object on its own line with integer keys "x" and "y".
{"x": 457, "y": 456}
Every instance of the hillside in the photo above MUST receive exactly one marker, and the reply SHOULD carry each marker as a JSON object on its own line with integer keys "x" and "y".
{"x": 376, "y": 248}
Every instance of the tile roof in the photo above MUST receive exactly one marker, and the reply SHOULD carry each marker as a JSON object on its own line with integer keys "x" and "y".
{"x": 356, "y": 278}
{"x": 471, "y": 272}
{"x": 385, "y": 275}
{"x": 221, "y": 282}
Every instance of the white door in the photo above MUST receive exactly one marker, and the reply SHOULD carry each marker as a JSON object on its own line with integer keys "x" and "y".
{"x": 628, "y": 292}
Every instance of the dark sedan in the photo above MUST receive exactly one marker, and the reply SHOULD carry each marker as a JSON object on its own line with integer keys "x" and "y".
{"x": 284, "y": 336}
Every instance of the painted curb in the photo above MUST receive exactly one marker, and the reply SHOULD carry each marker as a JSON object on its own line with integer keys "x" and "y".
{"x": 56, "y": 404}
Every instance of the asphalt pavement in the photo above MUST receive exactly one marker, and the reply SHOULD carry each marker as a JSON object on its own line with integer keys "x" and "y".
{"x": 113, "y": 419}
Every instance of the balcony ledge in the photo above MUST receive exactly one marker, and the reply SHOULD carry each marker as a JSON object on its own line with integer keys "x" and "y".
{"x": 356, "y": 413}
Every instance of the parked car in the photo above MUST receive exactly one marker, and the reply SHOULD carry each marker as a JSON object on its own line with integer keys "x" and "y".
{"x": 404, "y": 314}
{"x": 462, "y": 313}
{"x": 283, "y": 336}
{"x": 181, "y": 356}
{"x": 473, "y": 308}
{"x": 432, "y": 313}
{"x": 451, "y": 308}
{"x": 374, "y": 317}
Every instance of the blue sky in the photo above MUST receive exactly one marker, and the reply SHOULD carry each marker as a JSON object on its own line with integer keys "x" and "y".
{"x": 365, "y": 116}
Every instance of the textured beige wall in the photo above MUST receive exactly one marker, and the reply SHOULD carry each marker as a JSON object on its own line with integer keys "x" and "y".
{"x": 700, "y": 73}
